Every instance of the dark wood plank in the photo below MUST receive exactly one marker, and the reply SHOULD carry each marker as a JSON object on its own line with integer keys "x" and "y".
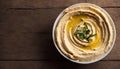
{"x": 39, "y": 20}
{"x": 116, "y": 18}
{"x": 53, "y": 3}
{"x": 26, "y": 34}
{"x": 57, "y": 65}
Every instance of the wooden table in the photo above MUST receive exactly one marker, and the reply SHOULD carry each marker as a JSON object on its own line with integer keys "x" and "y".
{"x": 26, "y": 35}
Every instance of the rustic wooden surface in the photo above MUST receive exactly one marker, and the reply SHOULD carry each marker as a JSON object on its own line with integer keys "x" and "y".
{"x": 26, "y": 35}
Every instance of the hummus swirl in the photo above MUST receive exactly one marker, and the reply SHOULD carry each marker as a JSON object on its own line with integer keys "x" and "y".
{"x": 98, "y": 23}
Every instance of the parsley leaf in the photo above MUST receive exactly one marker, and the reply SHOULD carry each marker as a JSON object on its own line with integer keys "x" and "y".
{"x": 83, "y": 33}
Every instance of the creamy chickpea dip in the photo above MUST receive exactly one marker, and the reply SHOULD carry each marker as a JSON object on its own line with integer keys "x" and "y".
{"x": 95, "y": 32}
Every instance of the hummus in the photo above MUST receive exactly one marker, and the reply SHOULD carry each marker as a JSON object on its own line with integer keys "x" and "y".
{"x": 98, "y": 23}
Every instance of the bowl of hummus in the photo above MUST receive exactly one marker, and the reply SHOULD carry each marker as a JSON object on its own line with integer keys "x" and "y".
{"x": 84, "y": 33}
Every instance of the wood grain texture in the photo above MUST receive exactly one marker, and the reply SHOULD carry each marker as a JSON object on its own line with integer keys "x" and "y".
{"x": 57, "y": 65}
{"x": 54, "y": 3}
{"x": 26, "y": 34}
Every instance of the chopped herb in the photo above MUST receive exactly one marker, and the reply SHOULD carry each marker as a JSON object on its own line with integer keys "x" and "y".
{"x": 89, "y": 37}
{"x": 86, "y": 27}
{"x": 83, "y": 33}
{"x": 87, "y": 31}
{"x": 78, "y": 32}
{"x": 81, "y": 36}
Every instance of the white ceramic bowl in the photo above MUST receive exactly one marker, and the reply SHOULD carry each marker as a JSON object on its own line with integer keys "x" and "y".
{"x": 54, "y": 26}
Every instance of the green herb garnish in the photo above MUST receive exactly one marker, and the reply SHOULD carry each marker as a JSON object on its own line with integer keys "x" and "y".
{"x": 89, "y": 37}
{"x": 84, "y": 33}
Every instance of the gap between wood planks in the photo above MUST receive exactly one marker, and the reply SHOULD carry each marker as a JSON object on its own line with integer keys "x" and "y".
{"x": 53, "y": 8}
{"x": 50, "y": 60}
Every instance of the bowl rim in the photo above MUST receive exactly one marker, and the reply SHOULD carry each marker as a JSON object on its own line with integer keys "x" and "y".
{"x": 88, "y": 62}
